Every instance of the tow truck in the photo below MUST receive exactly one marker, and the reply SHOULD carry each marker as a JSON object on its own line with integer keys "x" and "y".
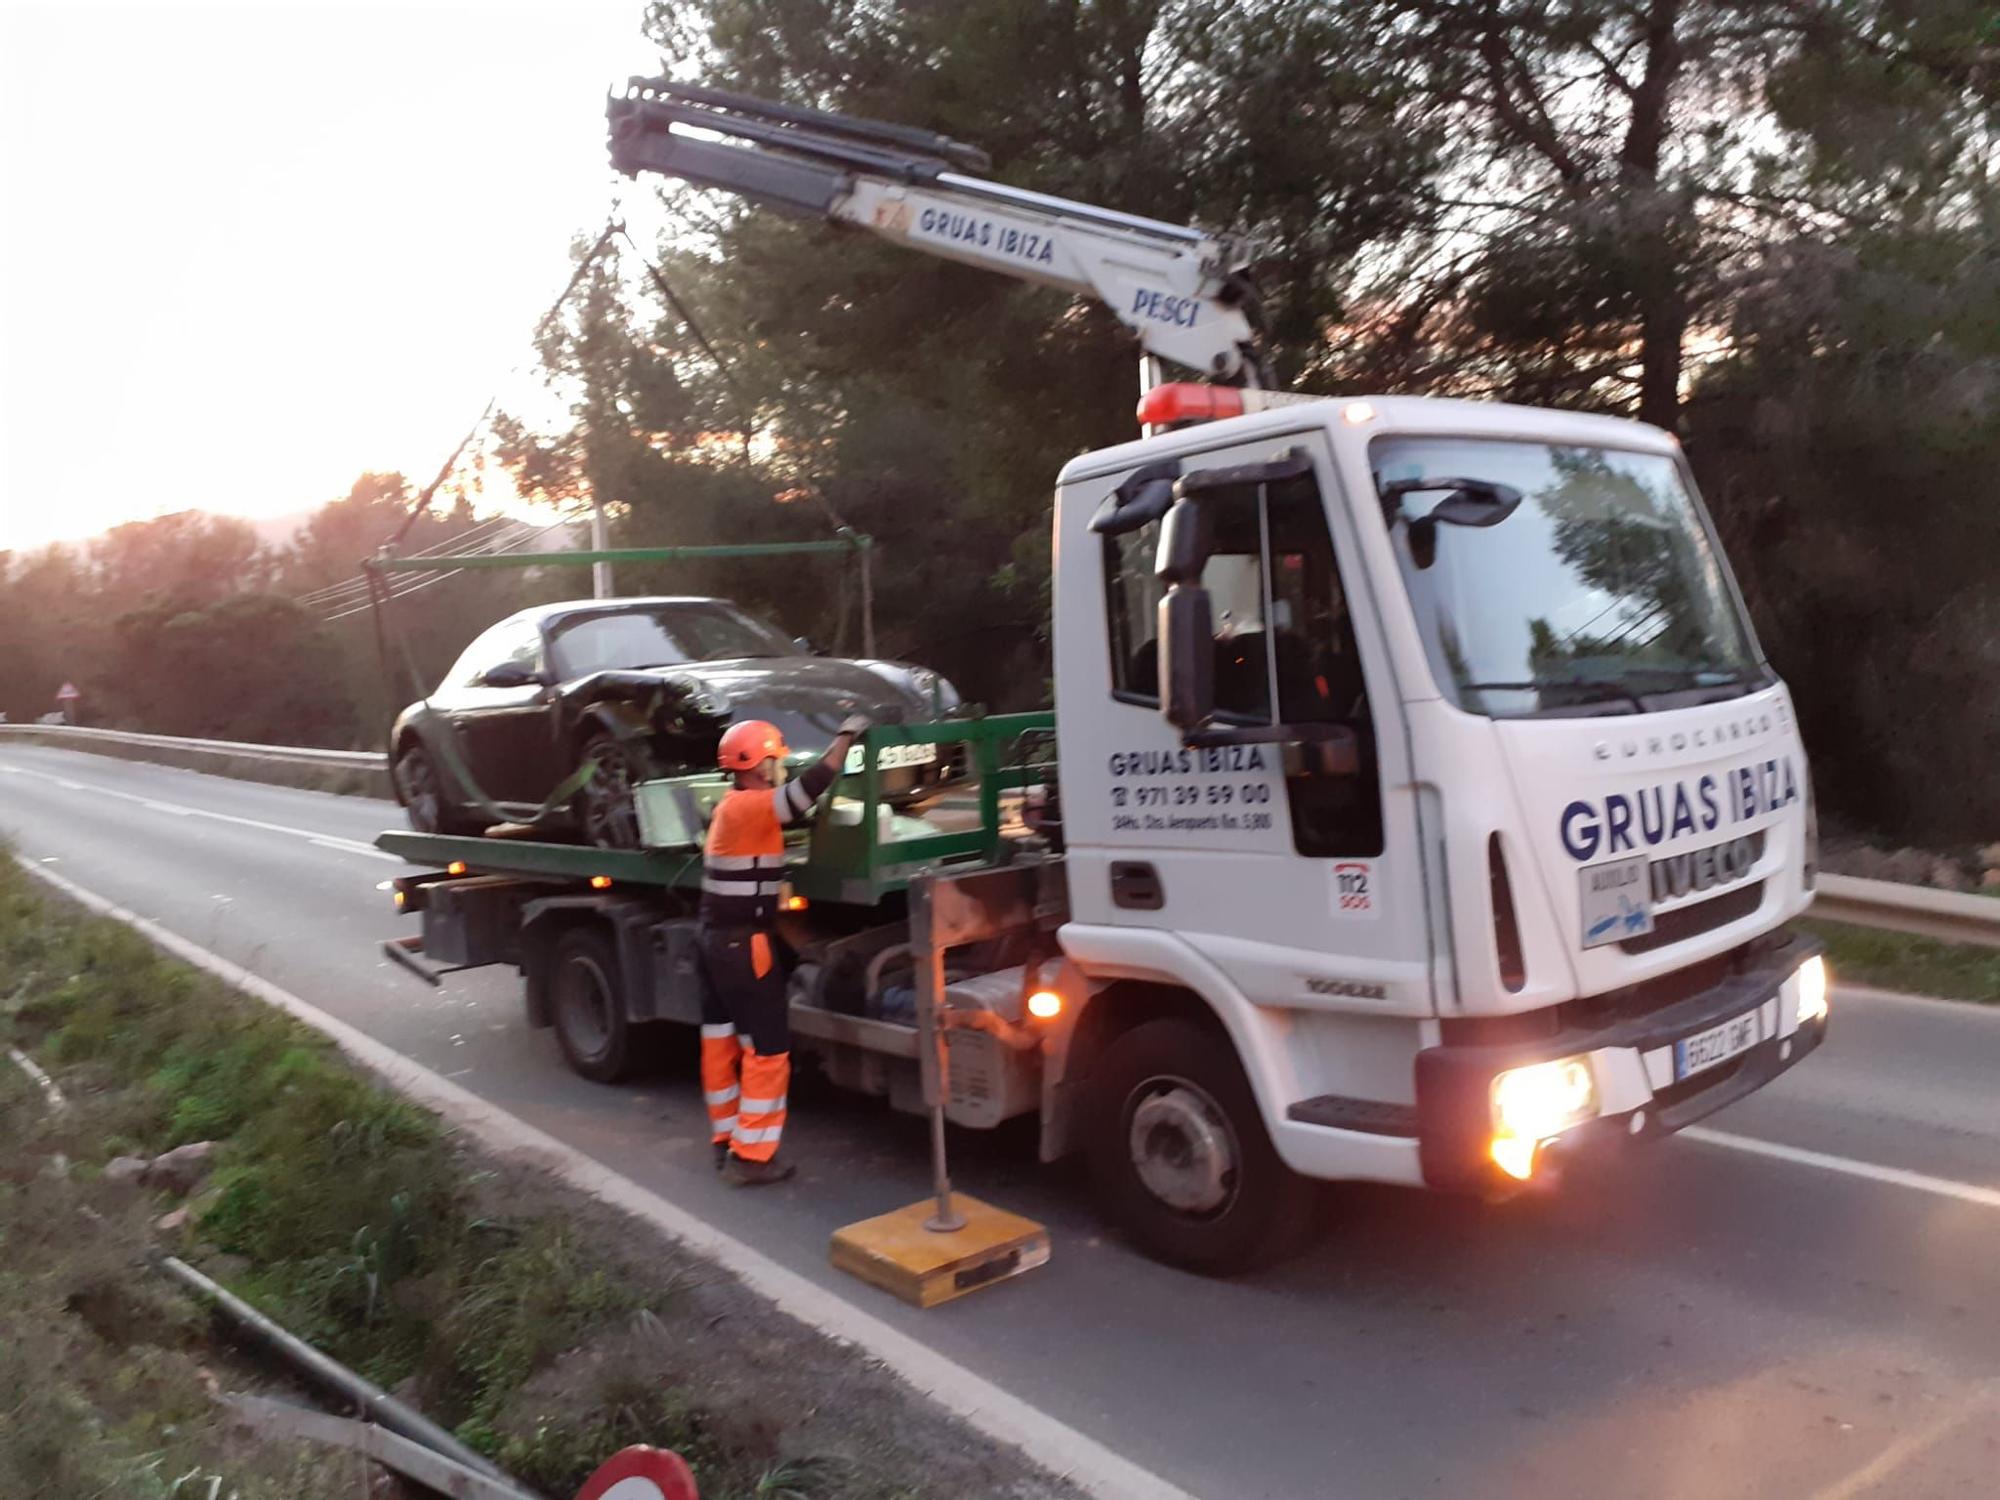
{"x": 1418, "y": 806}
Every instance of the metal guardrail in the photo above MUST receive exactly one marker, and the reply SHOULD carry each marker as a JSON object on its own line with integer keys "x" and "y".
{"x": 299, "y": 755}
{"x": 1947, "y": 915}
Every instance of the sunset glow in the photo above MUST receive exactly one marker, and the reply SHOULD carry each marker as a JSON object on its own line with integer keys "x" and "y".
{"x": 251, "y": 250}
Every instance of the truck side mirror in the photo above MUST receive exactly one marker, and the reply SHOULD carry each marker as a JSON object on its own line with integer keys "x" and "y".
{"x": 1186, "y": 538}
{"x": 1186, "y": 620}
{"x": 1187, "y": 657}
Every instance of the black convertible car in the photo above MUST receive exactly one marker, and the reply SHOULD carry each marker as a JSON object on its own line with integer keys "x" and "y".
{"x": 642, "y": 688}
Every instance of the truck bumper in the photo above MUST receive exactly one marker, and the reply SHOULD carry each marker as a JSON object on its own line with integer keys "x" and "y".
{"x": 1634, "y": 1066}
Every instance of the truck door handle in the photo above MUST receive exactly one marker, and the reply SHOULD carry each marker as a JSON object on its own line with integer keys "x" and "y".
{"x": 1136, "y": 886}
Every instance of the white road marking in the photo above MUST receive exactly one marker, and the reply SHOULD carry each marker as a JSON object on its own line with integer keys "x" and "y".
{"x": 348, "y": 846}
{"x": 1001, "y": 1415}
{"x": 323, "y": 840}
{"x": 1943, "y": 1187}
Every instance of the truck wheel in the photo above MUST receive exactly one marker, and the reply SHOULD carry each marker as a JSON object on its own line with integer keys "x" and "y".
{"x": 588, "y": 1004}
{"x": 424, "y": 799}
{"x": 1180, "y": 1154}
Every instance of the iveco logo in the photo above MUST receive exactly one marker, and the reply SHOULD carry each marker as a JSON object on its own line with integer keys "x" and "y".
{"x": 1704, "y": 869}
{"x": 1708, "y": 737}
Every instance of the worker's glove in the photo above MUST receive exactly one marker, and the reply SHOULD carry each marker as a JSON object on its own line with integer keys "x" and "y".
{"x": 855, "y": 724}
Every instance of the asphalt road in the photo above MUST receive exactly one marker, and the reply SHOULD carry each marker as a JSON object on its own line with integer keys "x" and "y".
{"x": 1695, "y": 1320}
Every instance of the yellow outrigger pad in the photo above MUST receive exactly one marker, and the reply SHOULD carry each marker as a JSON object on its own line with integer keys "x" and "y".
{"x": 895, "y": 1252}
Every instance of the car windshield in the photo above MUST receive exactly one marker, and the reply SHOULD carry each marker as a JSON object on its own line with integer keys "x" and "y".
{"x": 1600, "y": 592}
{"x": 661, "y": 635}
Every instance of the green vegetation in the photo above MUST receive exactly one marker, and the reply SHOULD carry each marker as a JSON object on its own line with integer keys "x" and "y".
{"x": 547, "y": 1330}
{"x": 1911, "y": 965}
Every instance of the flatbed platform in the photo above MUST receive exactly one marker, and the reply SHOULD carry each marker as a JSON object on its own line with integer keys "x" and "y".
{"x": 857, "y": 851}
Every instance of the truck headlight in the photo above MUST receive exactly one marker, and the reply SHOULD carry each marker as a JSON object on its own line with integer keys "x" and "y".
{"x": 1812, "y": 990}
{"x": 1543, "y": 1099}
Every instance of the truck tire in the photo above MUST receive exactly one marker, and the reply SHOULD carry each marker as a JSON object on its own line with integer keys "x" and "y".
{"x": 587, "y": 1004}
{"x": 1180, "y": 1155}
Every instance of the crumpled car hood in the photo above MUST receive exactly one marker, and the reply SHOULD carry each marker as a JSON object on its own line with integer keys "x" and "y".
{"x": 805, "y": 696}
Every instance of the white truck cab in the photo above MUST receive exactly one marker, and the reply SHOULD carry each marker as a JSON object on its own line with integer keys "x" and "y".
{"x": 1425, "y": 746}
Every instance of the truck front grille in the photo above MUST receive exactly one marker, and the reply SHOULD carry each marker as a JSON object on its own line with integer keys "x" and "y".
{"x": 1704, "y": 916}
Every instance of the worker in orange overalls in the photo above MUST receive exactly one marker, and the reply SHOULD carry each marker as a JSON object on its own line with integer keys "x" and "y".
{"x": 746, "y": 1037}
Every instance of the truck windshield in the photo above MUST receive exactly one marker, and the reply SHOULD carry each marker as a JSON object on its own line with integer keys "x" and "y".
{"x": 1601, "y": 593}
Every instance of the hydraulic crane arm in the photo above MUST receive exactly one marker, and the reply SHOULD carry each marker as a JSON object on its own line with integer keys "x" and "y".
{"x": 1183, "y": 292}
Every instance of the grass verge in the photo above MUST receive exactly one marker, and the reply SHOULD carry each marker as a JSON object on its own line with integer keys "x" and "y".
{"x": 1910, "y": 964}
{"x": 545, "y": 1329}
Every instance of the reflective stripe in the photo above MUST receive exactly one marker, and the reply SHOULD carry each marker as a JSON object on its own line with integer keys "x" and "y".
{"x": 718, "y": 1031}
{"x": 758, "y": 1137}
{"x": 722, "y": 1096}
{"x": 745, "y": 861}
{"x": 762, "y": 1106}
{"x": 721, "y": 1130}
{"x": 789, "y": 800}
{"x": 746, "y": 888}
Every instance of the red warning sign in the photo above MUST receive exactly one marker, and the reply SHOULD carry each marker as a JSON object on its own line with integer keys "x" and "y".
{"x": 641, "y": 1473}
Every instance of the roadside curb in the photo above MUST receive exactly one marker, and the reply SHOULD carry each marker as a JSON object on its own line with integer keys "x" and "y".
{"x": 1000, "y": 1415}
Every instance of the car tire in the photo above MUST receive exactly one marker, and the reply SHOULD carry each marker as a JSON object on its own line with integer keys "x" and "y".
{"x": 604, "y": 809}
{"x": 1180, "y": 1156}
{"x": 422, "y": 788}
{"x": 587, "y": 1003}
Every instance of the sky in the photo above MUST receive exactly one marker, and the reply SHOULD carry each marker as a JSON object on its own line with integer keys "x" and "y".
{"x": 249, "y": 250}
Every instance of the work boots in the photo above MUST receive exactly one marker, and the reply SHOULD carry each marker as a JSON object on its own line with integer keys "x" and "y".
{"x": 746, "y": 1173}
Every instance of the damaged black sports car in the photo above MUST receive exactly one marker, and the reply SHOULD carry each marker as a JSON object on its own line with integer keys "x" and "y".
{"x": 640, "y": 688}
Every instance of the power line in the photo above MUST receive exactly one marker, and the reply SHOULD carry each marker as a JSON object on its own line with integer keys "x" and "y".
{"x": 613, "y": 227}
{"x": 358, "y": 583}
{"x": 417, "y": 582}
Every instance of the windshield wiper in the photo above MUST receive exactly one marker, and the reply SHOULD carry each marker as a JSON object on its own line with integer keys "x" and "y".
{"x": 1597, "y": 689}
{"x": 1696, "y": 679}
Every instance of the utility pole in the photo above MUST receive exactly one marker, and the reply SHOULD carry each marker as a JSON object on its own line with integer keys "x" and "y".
{"x": 600, "y": 572}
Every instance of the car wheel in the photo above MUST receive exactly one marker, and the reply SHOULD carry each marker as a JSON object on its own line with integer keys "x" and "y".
{"x": 588, "y": 1002}
{"x": 1181, "y": 1157}
{"x": 604, "y": 807}
{"x": 424, "y": 800}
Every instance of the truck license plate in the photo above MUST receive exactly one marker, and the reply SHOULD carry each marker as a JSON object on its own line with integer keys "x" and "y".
{"x": 893, "y": 757}
{"x": 1706, "y": 1049}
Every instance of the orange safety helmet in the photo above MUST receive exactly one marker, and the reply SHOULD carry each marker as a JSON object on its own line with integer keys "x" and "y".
{"x": 748, "y": 745}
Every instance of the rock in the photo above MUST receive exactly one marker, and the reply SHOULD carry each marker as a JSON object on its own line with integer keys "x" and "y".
{"x": 1947, "y": 876}
{"x": 1990, "y": 881}
{"x": 1989, "y": 857}
{"x": 126, "y": 1171}
{"x": 1904, "y": 866}
{"x": 181, "y": 1169}
{"x": 174, "y": 1222}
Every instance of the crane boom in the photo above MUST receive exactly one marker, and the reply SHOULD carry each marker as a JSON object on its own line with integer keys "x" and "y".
{"x": 1182, "y": 292}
